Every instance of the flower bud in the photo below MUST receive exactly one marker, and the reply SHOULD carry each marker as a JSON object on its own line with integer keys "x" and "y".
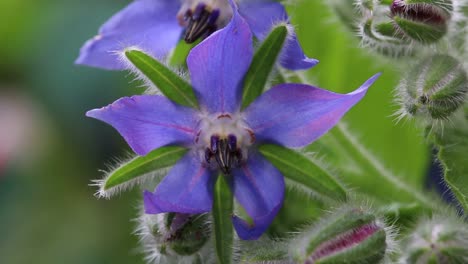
{"x": 440, "y": 240}
{"x": 349, "y": 235}
{"x": 434, "y": 88}
{"x": 173, "y": 236}
{"x": 425, "y": 21}
{"x": 379, "y": 33}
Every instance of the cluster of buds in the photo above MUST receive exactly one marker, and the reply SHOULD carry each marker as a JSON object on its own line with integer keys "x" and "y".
{"x": 400, "y": 27}
{"x": 175, "y": 238}
{"x": 442, "y": 239}
{"x": 434, "y": 88}
{"x": 348, "y": 235}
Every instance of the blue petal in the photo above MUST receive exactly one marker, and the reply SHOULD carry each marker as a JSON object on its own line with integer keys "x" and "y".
{"x": 259, "y": 188}
{"x": 149, "y": 24}
{"x": 148, "y": 122}
{"x": 261, "y": 15}
{"x": 217, "y": 66}
{"x": 295, "y": 115}
{"x": 188, "y": 188}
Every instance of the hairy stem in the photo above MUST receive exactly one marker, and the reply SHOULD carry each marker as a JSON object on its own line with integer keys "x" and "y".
{"x": 371, "y": 164}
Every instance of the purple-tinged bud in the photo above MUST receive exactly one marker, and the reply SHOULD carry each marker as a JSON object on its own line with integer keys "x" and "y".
{"x": 348, "y": 235}
{"x": 434, "y": 88}
{"x": 440, "y": 240}
{"x": 173, "y": 237}
{"x": 423, "y": 21}
{"x": 378, "y": 32}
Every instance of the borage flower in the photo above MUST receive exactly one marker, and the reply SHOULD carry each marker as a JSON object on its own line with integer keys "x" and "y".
{"x": 157, "y": 25}
{"x": 222, "y": 137}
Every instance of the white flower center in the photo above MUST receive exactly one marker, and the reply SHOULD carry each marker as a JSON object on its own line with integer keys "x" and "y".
{"x": 223, "y": 141}
{"x": 200, "y": 18}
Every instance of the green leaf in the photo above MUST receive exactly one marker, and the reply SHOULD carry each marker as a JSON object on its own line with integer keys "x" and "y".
{"x": 222, "y": 212}
{"x": 262, "y": 64}
{"x": 452, "y": 143}
{"x": 168, "y": 82}
{"x": 304, "y": 171}
{"x": 299, "y": 209}
{"x": 133, "y": 170}
{"x": 179, "y": 55}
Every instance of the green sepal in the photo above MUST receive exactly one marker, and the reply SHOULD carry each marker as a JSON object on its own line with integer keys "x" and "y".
{"x": 262, "y": 64}
{"x": 168, "y": 82}
{"x": 142, "y": 165}
{"x": 179, "y": 55}
{"x": 303, "y": 171}
{"x": 420, "y": 31}
{"x": 452, "y": 145}
{"x": 223, "y": 206}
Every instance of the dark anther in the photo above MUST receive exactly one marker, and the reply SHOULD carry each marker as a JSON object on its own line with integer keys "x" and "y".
{"x": 232, "y": 143}
{"x": 214, "y": 144}
{"x": 208, "y": 155}
{"x": 201, "y": 23}
{"x": 225, "y": 152}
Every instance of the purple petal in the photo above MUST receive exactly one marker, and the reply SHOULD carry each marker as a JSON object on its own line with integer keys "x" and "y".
{"x": 295, "y": 115}
{"x": 188, "y": 188}
{"x": 217, "y": 66}
{"x": 259, "y": 188}
{"x": 151, "y": 25}
{"x": 261, "y": 15}
{"x": 148, "y": 122}
{"x": 293, "y": 57}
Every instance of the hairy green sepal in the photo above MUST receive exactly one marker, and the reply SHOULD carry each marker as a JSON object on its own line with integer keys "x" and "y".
{"x": 222, "y": 224}
{"x": 168, "y": 82}
{"x": 142, "y": 165}
{"x": 303, "y": 171}
{"x": 262, "y": 64}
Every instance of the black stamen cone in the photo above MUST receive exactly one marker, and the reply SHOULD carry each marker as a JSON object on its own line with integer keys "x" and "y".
{"x": 225, "y": 152}
{"x": 201, "y": 23}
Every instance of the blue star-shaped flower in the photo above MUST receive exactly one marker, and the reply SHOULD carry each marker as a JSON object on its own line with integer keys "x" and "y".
{"x": 156, "y": 26}
{"x": 222, "y": 137}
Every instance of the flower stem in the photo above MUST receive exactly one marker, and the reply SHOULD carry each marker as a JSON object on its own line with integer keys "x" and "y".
{"x": 373, "y": 166}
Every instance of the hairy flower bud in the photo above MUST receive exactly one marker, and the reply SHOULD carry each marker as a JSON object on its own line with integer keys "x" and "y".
{"x": 348, "y": 235}
{"x": 440, "y": 240}
{"x": 424, "y": 21}
{"x": 173, "y": 237}
{"x": 378, "y": 32}
{"x": 433, "y": 88}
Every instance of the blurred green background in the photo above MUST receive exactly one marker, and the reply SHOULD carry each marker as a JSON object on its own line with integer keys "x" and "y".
{"x": 50, "y": 153}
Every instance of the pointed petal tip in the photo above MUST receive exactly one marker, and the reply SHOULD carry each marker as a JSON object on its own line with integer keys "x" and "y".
{"x": 92, "y": 113}
{"x": 78, "y": 60}
{"x": 244, "y": 230}
{"x": 367, "y": 84}
{"x": 254, "y": 231}
{"x": 298, "y": 64}
{"x": 311, "y": 62}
